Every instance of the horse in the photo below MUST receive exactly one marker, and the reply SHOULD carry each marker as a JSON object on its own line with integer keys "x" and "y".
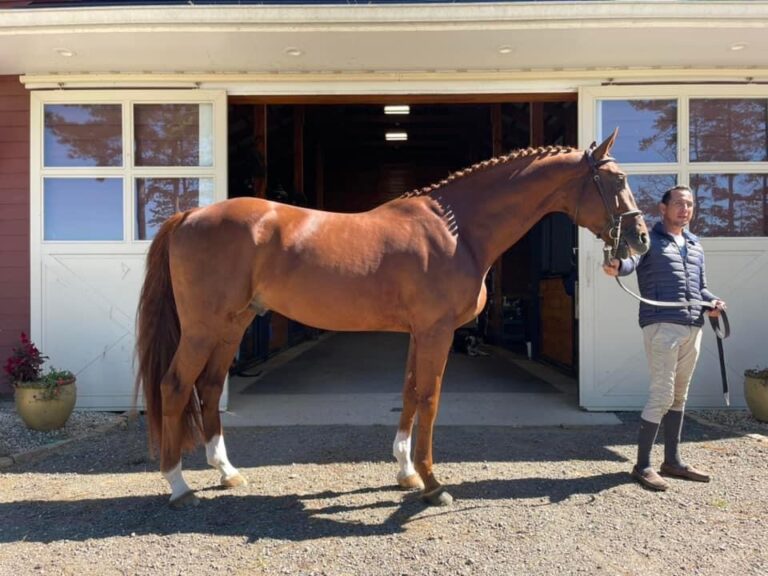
{"x": 415, "y": 264}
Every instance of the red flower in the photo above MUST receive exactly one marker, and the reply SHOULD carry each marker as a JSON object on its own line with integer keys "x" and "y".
{"x": 25, "y": 363}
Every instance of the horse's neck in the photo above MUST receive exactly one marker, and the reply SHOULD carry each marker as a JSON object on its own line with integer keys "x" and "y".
{"x": 494, "y": 208}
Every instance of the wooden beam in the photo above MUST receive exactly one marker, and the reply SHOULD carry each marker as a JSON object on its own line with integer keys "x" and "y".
{"x": 260, "y": 142}
{"x": 406, "y": 98}
{"x": 537, "y": 124}
{"x": 496, "y": 306}
{"x": 298, "y": 151}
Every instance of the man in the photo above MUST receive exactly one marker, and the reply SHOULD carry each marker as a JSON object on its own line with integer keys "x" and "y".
{"x": 671, "y": 271}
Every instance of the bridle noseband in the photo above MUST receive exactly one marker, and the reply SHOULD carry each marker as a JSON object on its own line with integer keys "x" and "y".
{"x": 614, "y": 228}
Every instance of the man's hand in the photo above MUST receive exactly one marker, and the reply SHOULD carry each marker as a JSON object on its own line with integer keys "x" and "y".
{"x": 612, "y": 267}
{"x": 719, "y": 306}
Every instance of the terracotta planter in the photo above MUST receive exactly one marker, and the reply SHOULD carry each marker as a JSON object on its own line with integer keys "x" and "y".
{"x": 41, "y": 413}
{"x": 756, "y": 395}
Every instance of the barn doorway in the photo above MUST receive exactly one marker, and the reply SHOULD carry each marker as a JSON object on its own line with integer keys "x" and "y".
{"x": 336, "y": 155}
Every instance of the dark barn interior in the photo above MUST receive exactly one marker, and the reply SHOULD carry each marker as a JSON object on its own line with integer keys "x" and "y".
{"x": 335, "y": 156}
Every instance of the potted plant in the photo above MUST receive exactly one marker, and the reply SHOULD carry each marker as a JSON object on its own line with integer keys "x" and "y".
{"x": 756, "y": 392}
{"x": 44, "y": 399}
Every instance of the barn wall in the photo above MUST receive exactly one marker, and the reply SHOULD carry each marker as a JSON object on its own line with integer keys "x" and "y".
{"x": 14, "y": 216}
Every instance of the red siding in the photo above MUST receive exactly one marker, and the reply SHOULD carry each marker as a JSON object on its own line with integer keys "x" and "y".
{"x": 14, "y": 216}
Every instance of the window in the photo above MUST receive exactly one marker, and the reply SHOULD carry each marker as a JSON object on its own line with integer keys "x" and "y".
{"x": 717, "y": 145}
{"x": 115, "y": 165}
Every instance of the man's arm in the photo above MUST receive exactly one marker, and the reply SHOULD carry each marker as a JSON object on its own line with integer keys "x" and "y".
{"x": 708, "y": 296}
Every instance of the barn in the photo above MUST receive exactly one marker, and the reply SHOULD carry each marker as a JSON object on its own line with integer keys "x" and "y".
{"x": 114, "y": 115}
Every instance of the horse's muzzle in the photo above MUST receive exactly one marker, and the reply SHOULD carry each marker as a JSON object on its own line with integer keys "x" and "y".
{"x": 633, "y": 241}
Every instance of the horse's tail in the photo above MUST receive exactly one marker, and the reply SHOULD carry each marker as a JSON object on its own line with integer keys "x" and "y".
{"x": 158, "y": 332}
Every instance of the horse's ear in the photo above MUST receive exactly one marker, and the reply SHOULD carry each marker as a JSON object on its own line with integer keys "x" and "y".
{"x": 605, "y": 148}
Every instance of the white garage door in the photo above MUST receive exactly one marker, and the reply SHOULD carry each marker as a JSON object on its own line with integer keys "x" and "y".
{"x": 108, "y": 168}
{"x": 712, "y": 138}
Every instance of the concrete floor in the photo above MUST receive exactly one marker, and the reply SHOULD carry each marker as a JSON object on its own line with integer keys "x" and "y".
{"x": 356, "y": 379}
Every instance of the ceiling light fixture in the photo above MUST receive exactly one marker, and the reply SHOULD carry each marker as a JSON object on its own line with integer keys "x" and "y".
{"x": 736, "y": 46}
{"x": 397, "y": 109}
{"x": 294, "y": 51}
{"x": 65, "y": 52}
{"x": 396, "y": 136}
{"x": 505, "y": 49}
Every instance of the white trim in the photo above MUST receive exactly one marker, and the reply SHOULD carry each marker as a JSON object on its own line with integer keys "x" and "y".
{"x": 399, "y": 82}
{"x": 492, "y": 15}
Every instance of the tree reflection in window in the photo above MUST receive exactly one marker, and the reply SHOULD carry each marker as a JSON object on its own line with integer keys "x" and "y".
{"x": 729, "y": 130}
{"x": 157, "y": 199}
{"x": 648, "y": 129}
{"x": 171, "y": 135}
{"x": 82, "y": 135}
{"x": 648, "y": 190}
{"x": 730, "y": 204}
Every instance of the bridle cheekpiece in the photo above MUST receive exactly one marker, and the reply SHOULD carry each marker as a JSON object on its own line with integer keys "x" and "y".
{"x": 614, "y": 228}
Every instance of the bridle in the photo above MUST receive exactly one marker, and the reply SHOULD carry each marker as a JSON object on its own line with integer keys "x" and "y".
{"x": 613, "y": 229}
{"x": 609, "y": 253}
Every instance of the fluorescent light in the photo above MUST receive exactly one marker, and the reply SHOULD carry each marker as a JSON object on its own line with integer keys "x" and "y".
{"x": 396, "y": 136}
{"x": 397, "y": 109}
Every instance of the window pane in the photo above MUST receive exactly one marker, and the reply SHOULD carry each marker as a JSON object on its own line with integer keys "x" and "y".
{"x": 83, "y": 208}
{"x": 729, "y": 130}
{"x": 648, "y": 190}
{"x": 157, "y": 199}
{"x": 82, "y": 135}
{"x": 647, "y": 129}
{"x": 173, "y": 134}
{"x": 730, "y": 204}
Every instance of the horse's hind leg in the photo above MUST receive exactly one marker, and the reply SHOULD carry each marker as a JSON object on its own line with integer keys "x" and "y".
{"x": 407, "y": 477}
{"x": 210, "y": 385}
{"x": 178, "y": 430}
{"x": 430, "y": 358}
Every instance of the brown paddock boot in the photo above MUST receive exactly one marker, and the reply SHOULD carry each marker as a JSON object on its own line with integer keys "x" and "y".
{"x": 648, "y": 478}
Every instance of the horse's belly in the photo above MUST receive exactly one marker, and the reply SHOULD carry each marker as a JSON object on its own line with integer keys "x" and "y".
{"x": 353, "y": 307}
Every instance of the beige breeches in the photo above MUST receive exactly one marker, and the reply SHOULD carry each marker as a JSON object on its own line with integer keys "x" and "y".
{"x": 672, "y": 351}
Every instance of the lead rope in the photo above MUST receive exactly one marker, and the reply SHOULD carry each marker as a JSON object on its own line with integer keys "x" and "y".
{"x": 720, "y": 332}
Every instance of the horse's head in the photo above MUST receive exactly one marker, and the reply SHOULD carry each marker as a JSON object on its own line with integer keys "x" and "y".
{"x": 607, "y": 206}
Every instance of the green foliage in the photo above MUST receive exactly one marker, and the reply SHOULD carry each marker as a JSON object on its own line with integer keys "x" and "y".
{"x": 24, "y": 368}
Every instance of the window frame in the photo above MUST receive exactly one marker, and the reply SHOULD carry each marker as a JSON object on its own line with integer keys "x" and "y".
{"x": 128, "y": 99}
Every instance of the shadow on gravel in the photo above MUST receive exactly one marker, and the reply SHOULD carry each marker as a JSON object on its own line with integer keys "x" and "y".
{"x": 310, "y": 516}
{"x": 292, "y": 517}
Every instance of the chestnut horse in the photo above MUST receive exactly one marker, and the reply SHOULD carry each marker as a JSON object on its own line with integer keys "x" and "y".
{"x": 416, "y": 264}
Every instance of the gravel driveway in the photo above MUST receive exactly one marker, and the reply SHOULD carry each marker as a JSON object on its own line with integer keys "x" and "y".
{"x": 321, "y": 500}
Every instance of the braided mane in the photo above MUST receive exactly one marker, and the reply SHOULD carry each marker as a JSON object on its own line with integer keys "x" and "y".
{"x": 514, "y": 155}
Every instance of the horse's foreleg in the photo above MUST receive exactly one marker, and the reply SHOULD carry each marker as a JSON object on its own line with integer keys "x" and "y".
{"x": 210, "y": 386}
{"x": 430, "y": 358}
{"x": 407, "y": 477}
{"x": 178, "y": 431}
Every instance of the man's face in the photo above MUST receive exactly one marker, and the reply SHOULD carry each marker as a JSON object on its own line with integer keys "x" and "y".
{"x": 679, "y": 211}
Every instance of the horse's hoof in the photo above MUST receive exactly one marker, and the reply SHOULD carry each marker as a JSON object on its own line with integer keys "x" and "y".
{"x": 410, "y": 482}
{"x": 438, "y": 497}
{"x": 185, "y": 501}
{"x": 234, "y": 481}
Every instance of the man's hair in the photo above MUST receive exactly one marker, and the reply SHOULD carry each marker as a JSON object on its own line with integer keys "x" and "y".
{"x": 668, "y": 193}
